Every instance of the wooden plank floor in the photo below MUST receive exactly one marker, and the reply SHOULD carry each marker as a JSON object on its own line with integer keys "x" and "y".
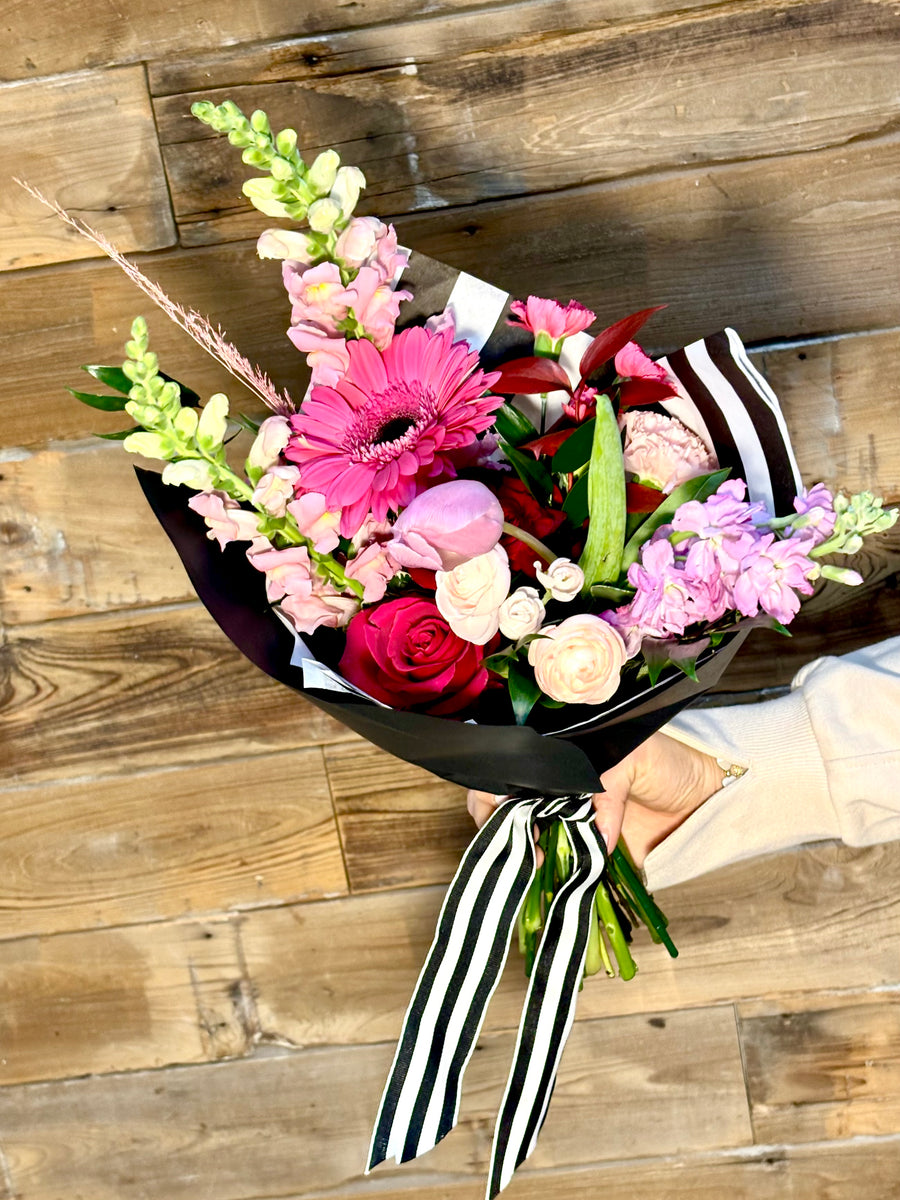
{"x": 214, "y": 900}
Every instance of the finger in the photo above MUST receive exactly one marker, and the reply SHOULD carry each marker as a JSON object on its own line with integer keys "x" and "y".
{"x": 480, "y": 806}
{"x": 609, "y": 812}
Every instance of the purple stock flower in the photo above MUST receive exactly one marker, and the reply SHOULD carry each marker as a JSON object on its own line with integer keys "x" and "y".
{"x": 817, "y": 505}
{"x": 770, "y": 574}
{"x": 672, "y": 592}
{"x": 725, "y": 525}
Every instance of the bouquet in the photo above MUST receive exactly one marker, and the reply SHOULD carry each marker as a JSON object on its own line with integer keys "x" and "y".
{"x": 496, "y": 546}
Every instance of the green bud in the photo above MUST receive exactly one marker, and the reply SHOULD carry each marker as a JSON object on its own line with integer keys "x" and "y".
{"x": 260, "y": 122}
{"x": 240, "y": 137}
{"x": 213, "y": 424}
{"x": 286, "y": 142}
{"x": 203, "y": 110}
{"x": 151, "y": 445}
{"x": 147, "y": 415}
{"x": 254, "y": 157}
{"x": 139, "y": 331}
{"x": 323, "y": 215}
{"x": 260, "y": 194}
{"x": 842, "y": 575}
{"x": 190, "y": 472}
{"x": 169, "y": 395}
{"x": 323, "y": 172}
{"x": 186, "y": 422}
{"x": 281, "y": 169}
{"x": 347, "y": 186}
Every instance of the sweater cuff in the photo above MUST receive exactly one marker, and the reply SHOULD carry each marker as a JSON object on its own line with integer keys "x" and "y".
{"x": 781, "y": 801}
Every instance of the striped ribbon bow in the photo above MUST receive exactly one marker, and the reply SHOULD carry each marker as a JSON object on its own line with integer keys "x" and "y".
{"x": 421, "y": 1099}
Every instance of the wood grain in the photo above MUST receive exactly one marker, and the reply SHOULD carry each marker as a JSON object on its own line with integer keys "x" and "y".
{"x": 120, "y": 1000}
{"x": 825, "y": 1073}
{"x": 88, "y": 142}
{"x": 773, "y": 927}
{"x": 106, "y": 696}
{"x": 549, "y": 114}
{"x": 302, "y": 1121}
{"x": 140, "y": 847}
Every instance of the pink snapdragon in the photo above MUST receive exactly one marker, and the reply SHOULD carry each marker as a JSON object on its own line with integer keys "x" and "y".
{"x": 368, "y": 242}
{"x": 446, "y": 525}
{"x": 224, "y": 517}
{"x": 315, "y": 521}
{"x": 288, "y": 572}
{"x": 374, "y": 567}
{"x": 275, "y": 488}
{"x": 308, "y": 599}
{"x": 550, "y": 322}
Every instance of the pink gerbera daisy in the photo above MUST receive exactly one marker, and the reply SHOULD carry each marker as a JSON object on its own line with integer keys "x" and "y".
{"x": 386, "y": 429}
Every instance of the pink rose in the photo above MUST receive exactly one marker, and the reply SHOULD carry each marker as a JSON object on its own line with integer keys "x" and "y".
{"x": 226, "y": 520}
{"x": 579, "y": 660}
{"x": 444, "y": 526}
{"x": 404, "y": 654}
{"x": 661, "y": 451}
{"x": 470, "y": 595}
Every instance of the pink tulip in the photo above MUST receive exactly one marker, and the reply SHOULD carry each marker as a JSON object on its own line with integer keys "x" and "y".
{"x": 447, "y": 525}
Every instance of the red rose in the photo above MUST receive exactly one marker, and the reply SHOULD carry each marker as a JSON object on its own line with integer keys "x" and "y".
{"x": 404, "y": 654}
{"x": 522, "y": 510}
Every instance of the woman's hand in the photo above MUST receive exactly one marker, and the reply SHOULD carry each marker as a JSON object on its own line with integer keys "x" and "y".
{"x": 645, "y": 796}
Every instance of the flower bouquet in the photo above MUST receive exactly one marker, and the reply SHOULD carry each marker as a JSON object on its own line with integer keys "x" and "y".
{"x": 496, "y": 546}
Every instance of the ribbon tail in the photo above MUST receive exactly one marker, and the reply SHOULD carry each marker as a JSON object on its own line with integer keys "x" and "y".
{"x": 549, "y": 1009}
{"x": 420, "y": 1104}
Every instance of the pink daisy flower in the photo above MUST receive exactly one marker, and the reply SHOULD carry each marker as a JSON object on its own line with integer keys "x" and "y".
{"x": 388, "y": 428}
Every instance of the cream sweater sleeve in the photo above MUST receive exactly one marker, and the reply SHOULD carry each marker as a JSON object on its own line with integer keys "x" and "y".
{"x": 823, "y": 762}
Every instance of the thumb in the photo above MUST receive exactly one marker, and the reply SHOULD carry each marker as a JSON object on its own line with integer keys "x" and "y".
{"x": 609, "y": 805}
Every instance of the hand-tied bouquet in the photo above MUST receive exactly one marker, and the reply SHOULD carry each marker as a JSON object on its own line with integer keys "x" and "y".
{"x": 495, "y": 545}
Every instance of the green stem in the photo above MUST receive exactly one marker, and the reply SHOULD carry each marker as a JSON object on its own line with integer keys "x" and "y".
{"x": 627, "y": 967}
{"x": 625, "y": 874}
{"x": 538, "y": 547}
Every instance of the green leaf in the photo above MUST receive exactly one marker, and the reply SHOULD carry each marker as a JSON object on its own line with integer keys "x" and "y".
{"x": 601, "y": 558}
{"x": 512, "y": 426}
{"x": 575, "y": 505}
{"x": 533, "y": 474}
{"x": 113, "y": 377}
{"x": 575, "y": 450}
{"x": 120, "y": 435}
{"x": 106, "y": 403}
{"x": 695, "y": 489}
{"x": 498, "y": 663}
{"x": 524, "y": 693}
{"x": 245, "y": 422}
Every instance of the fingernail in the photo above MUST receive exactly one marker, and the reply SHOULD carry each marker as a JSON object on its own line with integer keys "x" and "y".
{"x": 604, "y": 833}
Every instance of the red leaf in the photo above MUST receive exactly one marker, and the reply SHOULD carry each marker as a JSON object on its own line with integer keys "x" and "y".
{"x": 527, "y": 376}
{"x": 644, "y": 391}
{"x": 610, "y": 341}
{"x": 550, "y": 442}
{"x": 640, "y": 499}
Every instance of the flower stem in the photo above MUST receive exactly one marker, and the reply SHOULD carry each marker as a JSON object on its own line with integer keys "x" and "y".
{"x": 613, "y": 930}
{"x": 538, "y": 547}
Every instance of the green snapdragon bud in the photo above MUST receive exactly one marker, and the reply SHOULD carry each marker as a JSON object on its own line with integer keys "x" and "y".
{"x": 190, "y": 472}
{"x": 151, "y": 445}
{"x": 323, "y": 172}
{"x": 213, "y": 423}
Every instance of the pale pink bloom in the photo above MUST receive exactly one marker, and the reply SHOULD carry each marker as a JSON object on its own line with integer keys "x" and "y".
{"x": 326, "y": 608}
{"x": 286, "y": 243}
{"x": 375, "y": 304}
{"x": 271, "y": 439}
{"x": 315, "y": 521}
{"x": 373, "y": 567}
{"x": 328, "y": 362}
{"x": 469, "y": 596}
{"x": 816, "y": 505}
{"x": 579, "y": 660}
{"x": 226, "y": 520}
{"x": 661, "y": 451}
{"x": 563, "y": 578}
{"x": 444, "y": 526}
{"x": 383, "y": 432}
{"x": 550, "y": 317}
{"x": 632, "y": 363}
{"x": 356, "y": 245}
{"x": 275, "y": 489}
{"x": 771, "y": 573}
{"x": 521, "y": 613}
{"x": 317, "y": 294}
{"x": 288, "y": 572}
{"x": 673, "y": 593}
{"x": 442, "y": 321}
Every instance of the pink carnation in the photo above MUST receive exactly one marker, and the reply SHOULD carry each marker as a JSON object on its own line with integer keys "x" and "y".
{"x": 661, "y": 451}
{"x": 550, "y": 317}
{"x": 632, "y": 363}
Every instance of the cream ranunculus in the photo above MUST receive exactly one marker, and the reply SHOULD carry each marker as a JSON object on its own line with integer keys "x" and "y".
{"x": 563, "y": 578}
{"x": 579, "y": 660}
{"x": 521, "y": 613}
{"x": 469, "y": 596}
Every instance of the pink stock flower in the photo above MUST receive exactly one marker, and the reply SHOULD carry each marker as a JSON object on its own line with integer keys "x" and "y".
{"x": 578, "y": 661}
{"x": 724, "y": 523}
{"x": 446, "y": 525}
{"x": 816, "y": 504}
{"x": 315, "y": 521}
{"x": 384, "y": 432}
{"x": 632, "y": 363}
{"x": 770, "y": 574}
{"x": 661, "y": 451}
{"x": 673, "y": 594}
{"x": 226, "y": 520}
{"x": 550, "y": 318}
{"x": 469, "y": 597}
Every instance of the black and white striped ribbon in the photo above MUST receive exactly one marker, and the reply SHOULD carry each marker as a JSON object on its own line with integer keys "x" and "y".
{"x": 421, "y": 1100}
